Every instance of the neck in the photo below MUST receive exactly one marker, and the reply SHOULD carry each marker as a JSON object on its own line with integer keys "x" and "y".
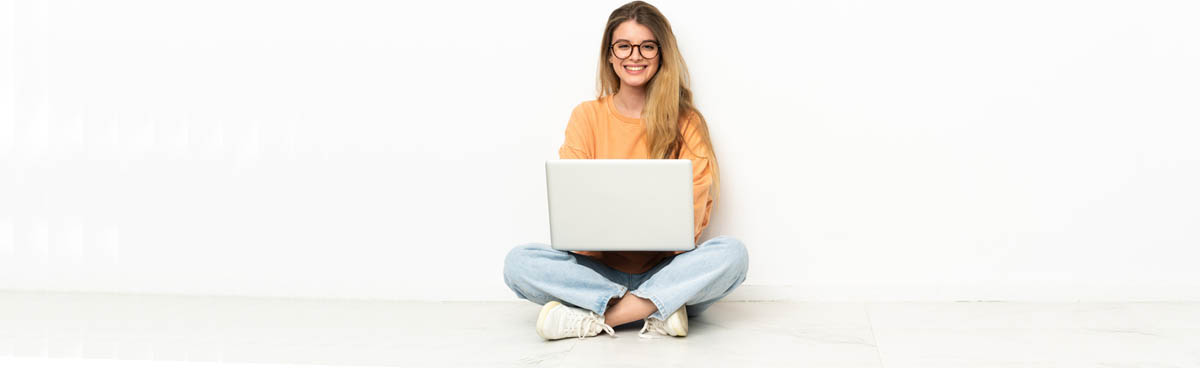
{"x": 631, "y": 99}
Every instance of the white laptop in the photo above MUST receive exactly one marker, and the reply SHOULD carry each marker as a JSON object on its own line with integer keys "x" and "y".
{"x": 620, "y": 205}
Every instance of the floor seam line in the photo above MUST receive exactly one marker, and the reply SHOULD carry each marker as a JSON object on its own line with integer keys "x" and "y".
{"x": 871, "y": 326}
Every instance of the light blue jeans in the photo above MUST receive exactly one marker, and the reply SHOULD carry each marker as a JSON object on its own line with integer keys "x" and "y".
{"x": 697, "y": 278}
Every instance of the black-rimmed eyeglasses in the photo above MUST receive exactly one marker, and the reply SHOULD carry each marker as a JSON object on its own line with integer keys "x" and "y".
{"x": 623, "y": 49}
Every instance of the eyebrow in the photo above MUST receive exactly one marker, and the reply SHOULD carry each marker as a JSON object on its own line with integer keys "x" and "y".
{"x": 643, "y": 41}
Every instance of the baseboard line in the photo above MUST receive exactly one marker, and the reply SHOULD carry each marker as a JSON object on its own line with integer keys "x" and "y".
{"x": 1041, "y": 292}
{"x": 875, "y": 292}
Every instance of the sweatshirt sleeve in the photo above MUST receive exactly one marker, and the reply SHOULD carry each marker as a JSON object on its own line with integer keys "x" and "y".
{"x": 578, "y": 144}
{"x": 579, "y": 140}
{"x": 702, "y": 173}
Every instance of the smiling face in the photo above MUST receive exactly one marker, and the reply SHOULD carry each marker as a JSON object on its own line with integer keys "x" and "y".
{"x": 635, "y": 70}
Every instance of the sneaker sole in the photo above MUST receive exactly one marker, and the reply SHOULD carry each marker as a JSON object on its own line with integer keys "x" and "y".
{"x": 678, "y": 322}
{"x": 542, "y": 317}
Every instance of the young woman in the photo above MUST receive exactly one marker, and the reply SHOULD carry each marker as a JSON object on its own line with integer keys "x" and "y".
{"x": 643, "y": 110}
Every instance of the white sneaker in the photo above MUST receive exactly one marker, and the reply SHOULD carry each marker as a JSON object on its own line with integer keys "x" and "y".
{"x": 558, "y": 321}
{"x": 675, "y": 325}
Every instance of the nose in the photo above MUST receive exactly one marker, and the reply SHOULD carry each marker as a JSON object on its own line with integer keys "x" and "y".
{"x": 636, "y": 54}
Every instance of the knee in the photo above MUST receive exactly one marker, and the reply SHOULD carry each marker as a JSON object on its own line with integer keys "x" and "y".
{"x": 520, "y": 255}
{"x": 732, "y": 251}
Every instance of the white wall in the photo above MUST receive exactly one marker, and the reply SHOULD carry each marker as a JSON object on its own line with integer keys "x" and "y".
{"x": 922, "y": 150}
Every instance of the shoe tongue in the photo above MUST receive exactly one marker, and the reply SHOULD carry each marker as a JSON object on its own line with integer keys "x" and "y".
{"x": 658, "y": 325}
{"x": 588, "y": 323}
{"x": 594, "y": 324}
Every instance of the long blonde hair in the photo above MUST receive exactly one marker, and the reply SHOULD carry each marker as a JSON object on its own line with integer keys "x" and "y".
{"x": 668, "y": 93}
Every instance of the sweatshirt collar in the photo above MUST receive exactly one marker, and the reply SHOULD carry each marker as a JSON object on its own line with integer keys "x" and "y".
{"x": 612, "y": 110}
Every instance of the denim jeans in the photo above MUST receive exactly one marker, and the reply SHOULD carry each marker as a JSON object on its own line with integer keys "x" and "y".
{"x": 698, "y": 278}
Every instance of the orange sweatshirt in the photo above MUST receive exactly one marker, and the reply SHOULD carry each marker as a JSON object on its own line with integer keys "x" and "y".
{"x": 597, "y": 131}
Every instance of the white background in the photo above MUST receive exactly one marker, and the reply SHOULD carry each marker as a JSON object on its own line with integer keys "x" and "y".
{"x": 871, "y": 150}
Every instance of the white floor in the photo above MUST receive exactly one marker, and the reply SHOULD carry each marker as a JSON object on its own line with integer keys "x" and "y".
{"x": 109, "y": 330}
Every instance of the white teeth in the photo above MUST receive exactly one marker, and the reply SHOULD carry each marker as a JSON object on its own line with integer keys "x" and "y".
{"x": 635, "y": 68}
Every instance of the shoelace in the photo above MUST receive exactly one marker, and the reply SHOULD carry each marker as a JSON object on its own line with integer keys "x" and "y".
{"x": 589, "y": 322}
{"x": 653, "y": 325}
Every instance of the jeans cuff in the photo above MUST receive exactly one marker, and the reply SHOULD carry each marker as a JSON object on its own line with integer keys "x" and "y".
{"x": 661, "y": 314}
{"x": 604, "y": 300}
